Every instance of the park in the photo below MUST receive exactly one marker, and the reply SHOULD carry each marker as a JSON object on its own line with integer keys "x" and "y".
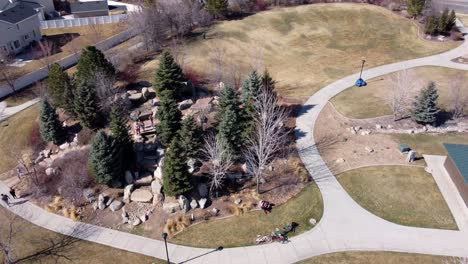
{"x": 249, "y": 131}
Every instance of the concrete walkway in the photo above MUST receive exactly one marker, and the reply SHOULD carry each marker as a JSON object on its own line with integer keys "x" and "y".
{"x": 345, "y": 225}
{"x": 6, "y": 112}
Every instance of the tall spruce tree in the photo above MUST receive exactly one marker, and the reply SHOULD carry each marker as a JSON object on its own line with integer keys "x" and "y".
{"x": 123, "y": 143}
{"x": 425, "y": 109}
{"x": 69, "y": 98}
{"x": 267, "y": 82}
{"x": 255, "y": 84}
{"x": 443, "y": 20}
{"x": 57, "y": 84}
{"x": 431, "y": 26}
{"x": 169, "y": 116}
{"x": 452, "y": 17}
{"x": 216, "y": 8}
{"x": 176, "y": 178}
{"x": 91, "y": 61}
{"x": 169, "y": 75}
{"x": 50, "y": 126}
{"x": 415, "y": 7}
{"x": 86, "y": 106}
{"x": 102, "y": 158}
{"x": 191, "y": 136}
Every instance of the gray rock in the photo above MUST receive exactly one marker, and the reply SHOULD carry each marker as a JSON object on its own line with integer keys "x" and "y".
{"x": 89, "y": 195}
{"x": 115, "y": 205}
{"x": 109, "y": 201}
{"x": 146, "y": 180}
{"x": 128, "y": 191}
{"x": 161, "y": 157}
{"x": 185, "y": 104}
{"x": 369, "y": 150}
{"x": 202, "y": 202}
{"x": 191, "y": 165}
{"x": 101, "y": 205}
{"x": 125, "y": 220}
{"x": 215, "y": 211}
{"x": 143, "y": 218}
{"x": 128, "y": 177}
{"x": 158, "y": 174}
{"x": 193, "y": 204}
{"x": 156, "y": 187}
{"x": 64, "y": 146}
{"x": 51, "y": 171}
{"x": 140, "y": 195}
{"x": 202, "y": 190}
{"x": 39, "y": 159}
{"x": 157, "y": 199}
{"x": 184, "y": 203}
{"x": 136, "y": 222}
{"x": 95, "y": 206}
{"x": 136, "y": 97}
{"x": 340, "y": 160}
{"x": 238, "y": 201}
{"x": 170, "y": 207}
{"x": 145, "y": 92}
{"x": 378, "y": 126}
{"x": 312, "y": 221}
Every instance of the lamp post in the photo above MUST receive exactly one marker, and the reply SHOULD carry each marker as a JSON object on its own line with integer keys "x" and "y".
{"x": 164, "y": 235}
{"x": 362, "y": 68}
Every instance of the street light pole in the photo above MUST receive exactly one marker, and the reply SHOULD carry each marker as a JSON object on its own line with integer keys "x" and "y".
{"x": 362, "y": 68}
{"x": 164, "y": 235}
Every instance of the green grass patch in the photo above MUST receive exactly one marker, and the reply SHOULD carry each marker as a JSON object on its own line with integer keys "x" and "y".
{"x": 364, "y": 257}
{"x": 400, "y": 194}
{"x": 15, "y": 133}
{"x": 242, "y": 230}
{"x": 369, "y": 101}
{"x": 431, "y": 144}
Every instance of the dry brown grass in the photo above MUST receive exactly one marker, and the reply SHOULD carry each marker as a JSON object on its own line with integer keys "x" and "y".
{"x": 363, "y": 257}
{"x": 307, "y": 47}
{"x": 176, "y": 224}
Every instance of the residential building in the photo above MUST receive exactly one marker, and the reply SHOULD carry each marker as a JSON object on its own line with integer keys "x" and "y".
{"x": 89, "y": 9}
{"x": 19, "y": 25}
{"x": 456, "y": 165}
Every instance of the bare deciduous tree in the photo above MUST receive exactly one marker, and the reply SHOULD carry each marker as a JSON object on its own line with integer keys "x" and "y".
{"x": 46, "y": 50}
{"x": 269, "y": 135}
{"x": 401, "y": 95}
{"x": 149, "y": 23}
{"x": 8, "y": 74}
{"x": 104, "y": 89}
{"x": 220, "y": 160}
{"x": 458, "y": 100}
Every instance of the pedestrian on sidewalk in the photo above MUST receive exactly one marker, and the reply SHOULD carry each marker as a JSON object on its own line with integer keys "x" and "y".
{"x": 6, "y": 199}
{"x": 13, "y": 193}
{"x": 18, "y": 172}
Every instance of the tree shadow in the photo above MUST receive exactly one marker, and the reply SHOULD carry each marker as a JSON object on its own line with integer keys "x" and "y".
{"x": 296, "y": 110}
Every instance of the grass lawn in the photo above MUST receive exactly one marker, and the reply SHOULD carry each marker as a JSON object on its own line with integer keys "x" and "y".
{"x": 15, "y": 131}
{"x": 242, "y": 230}
{"x": 431, "y": 144}
{"x": 350, "y": 102}
{"x": 307, "y": 47}
{"x": 24, "y": 95}
{"x": 31, "y": 239}
{"x": 380, "y": 257}
{"x": 463, "y": 18}
{"x": 403, "y": 195}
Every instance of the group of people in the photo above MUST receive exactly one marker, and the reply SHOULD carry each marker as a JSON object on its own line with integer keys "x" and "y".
{"x": 6, "y": 198}
{"x": 139, "y": 126}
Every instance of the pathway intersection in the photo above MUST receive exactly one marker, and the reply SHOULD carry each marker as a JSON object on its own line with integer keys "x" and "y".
{"x": 345, "y": 225}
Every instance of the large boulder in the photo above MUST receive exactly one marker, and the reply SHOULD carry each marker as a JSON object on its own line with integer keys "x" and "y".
{"x": 140, "y": 195}
{"x": 89, "y": 195}
{"x": 158, "y": 173}
{"x": 145, "y": 92}
{"x": 64, "y": 146}
{"x": 101, "y": 202}
{"x": 156, "y": 187}
{"x": 144, "y": 181}
{"x": 202, "y": 202}
{"x": 185, "y": 104}
{"x": 115, "y": 205}
{"x": 128, "y": 191}
{"x": 193, "y": 204}
{"x": 136, "y": 97}
{"x": 170, "y": 206}
{"x": 184, "y": 203}
{"x": 202, "y": 190}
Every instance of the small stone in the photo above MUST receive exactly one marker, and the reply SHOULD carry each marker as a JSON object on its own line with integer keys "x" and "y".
{"x": 109, "y": 201}
{"x": 51, "y": 171}
{"x": 340, "y": 160}
{"x": 378, "y": 126}
{"x": 156, "y": 187}
{"x": 128, "y": 191}
{"x": 64, "y": 146}
{"x": 101, "y": 205}
{"x": 262, "y": 181}
{"x": 202, "y": 202}
{"x": 244, "y": 168}
{"x": 89, "y": 195}
{"x": 143, "y": 218}
{"x": 115, "y": 205}
{"x": 191, "y": 165}
{"x": 184, "y": 203}
{"x": 238, "y": 201}
{"x": 389, "y": 127}
{"x": 312, "y": 221}
{"x": 125, "y": 220}
{"x": 193, "y": 204}
{"x": 170, "y": 206}
{"x": 185, "y": 104}
{"x": 215, "y": 211}
{"x": 365, "y": 132}
{"x": 368, "y": 149}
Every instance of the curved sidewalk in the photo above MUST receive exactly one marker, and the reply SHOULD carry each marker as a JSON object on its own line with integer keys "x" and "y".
{"x": 344, "y": 226}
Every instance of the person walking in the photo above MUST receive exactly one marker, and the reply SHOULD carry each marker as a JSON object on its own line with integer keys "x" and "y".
{"x": 13, "y": 193}
{"x": 18, "y": 172}
{"x": 6, "y": 199}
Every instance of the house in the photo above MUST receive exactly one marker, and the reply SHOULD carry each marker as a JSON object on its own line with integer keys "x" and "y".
{"x": 456, "y": 165}
{"x": 19, "y": 25}
{"x": 89, "y": 9}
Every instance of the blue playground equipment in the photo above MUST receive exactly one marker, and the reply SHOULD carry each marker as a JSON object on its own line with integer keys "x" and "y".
{"x": 360, "y": 82}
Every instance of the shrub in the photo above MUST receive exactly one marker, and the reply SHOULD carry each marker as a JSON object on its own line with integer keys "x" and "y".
{"x": 85, "y": 136}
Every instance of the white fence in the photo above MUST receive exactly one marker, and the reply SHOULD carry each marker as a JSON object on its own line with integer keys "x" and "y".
{"x": 82, "y": 21}
{"x": 66, "y": 62}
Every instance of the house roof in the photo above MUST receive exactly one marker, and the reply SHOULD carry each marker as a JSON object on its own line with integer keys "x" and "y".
{"x": 17, "y": 13}
{"x": 459, "y": 155}
{"x": 80, "y": 7}
{"x": 33, "y": 4}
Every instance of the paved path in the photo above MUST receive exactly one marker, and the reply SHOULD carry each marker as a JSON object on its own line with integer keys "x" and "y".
{"x": 345, "y": 225}
{"x": 6, "y": 112}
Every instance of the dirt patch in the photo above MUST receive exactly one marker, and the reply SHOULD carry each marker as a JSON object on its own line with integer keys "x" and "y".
{"x": 335, "y": 142}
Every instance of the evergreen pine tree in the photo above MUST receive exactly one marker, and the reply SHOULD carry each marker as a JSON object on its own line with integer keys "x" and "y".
{"x": 451, "y": 21}
{"x": 50, "y": 126}
{"x": 267, "y": 82}
{"x": 227, "y": 98}
{"x": 102, "y": 158}
{"x": 169, "y": 75}
{"x": 57, "y": 82}
{"x": 431, "y": 26}
{"x": 255, "y": 84}
{"x": 415, "y": 7}
{"x": 69, "y": 98}
{"x": 425, "y": 110}
{"x": 176, "y": 178}
{"x": 442, "y": 23}
{"x": 169, "y": 116}
{"x": 86, "y": 106}
{"x": 191, "y": 136}
{"x": 216, "y": 8}
{"x": 92, "y": 60}
{"x": 123, "y": 143}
